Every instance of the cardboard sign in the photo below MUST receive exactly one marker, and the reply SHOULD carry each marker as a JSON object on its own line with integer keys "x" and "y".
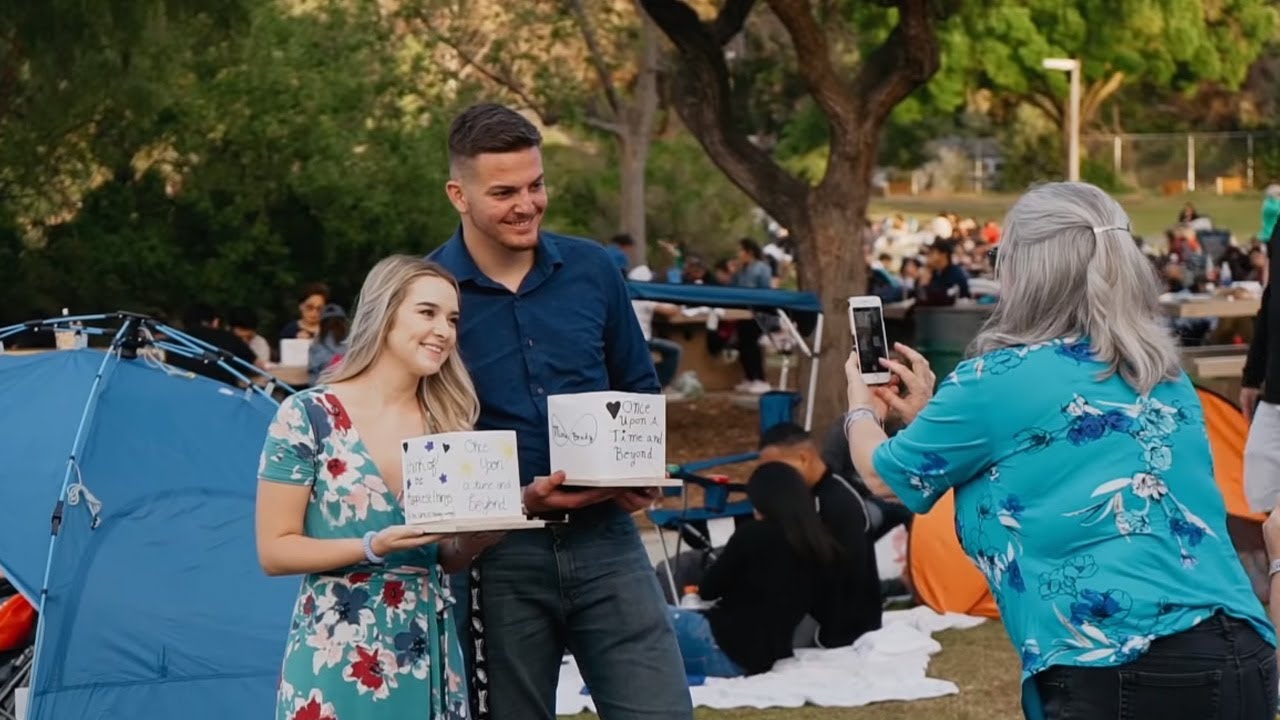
{"x": 609, "y": 438}
{"x": 463, "y": 480}
{"x": 294, "y": 352}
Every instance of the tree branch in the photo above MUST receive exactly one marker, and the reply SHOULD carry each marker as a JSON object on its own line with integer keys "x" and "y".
{"x": 1047, "y": 105}
{"x": 731, "y": 19}
{"x": 510, "y": 84}
{"x": 645, "y": 97}
{"x": 702, "y": 97}
{"x": 1096, "y": 94}
{"x": 903, "y": 62}
{"x": 603, "y": 125}
{"x": 813, "y": 60}
{"x": 596, "y": 55}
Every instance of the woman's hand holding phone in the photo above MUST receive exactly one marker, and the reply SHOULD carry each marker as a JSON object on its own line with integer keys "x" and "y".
{"x": 861, "y": 394}
{"x": 918, "y": 379}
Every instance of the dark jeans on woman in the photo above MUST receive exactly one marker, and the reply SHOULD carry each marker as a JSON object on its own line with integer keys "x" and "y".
{"x": 750, "y": 354}
{"x": 1221, "y": 668}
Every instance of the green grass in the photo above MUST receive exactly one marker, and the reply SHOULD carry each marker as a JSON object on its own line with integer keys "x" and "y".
{"x": 1151, "y": 214}
{"x": 981, "y": 661}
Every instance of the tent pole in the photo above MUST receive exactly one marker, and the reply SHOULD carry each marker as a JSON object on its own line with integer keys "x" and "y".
{"x": 813, "y": 373}
{"x": 77, "y": 445}
{"x": 54, "y": 323}
{"x": 195, "y": 347}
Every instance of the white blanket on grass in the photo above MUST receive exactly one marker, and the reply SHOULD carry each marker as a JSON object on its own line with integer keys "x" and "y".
{"x": 888, "y": 664}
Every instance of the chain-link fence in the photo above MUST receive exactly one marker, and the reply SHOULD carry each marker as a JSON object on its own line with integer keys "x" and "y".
{"x": 1222, "y": 162}
{"x": 1158, "y": 163}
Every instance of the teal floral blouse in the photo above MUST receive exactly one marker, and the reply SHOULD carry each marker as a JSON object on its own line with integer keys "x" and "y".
{"x": 366, "y": 641}
{"x": 1092, "y": 511}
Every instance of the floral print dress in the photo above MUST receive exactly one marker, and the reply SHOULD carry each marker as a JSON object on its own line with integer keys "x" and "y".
{"x": 366, "y": 641}
{"x": 1092, "y": 511}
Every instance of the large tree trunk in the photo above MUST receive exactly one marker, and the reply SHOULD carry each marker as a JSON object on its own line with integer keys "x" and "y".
{"x": 827, "y": 220}
{"x": 638, "y": 115}
{"x": 633, "y": 152}
{"x": 832, "y": 265}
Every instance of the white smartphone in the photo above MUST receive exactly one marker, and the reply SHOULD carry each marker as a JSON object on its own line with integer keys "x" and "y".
{"x": 866, "y": 321}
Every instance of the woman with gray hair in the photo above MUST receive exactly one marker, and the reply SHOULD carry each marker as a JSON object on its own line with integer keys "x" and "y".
{"x": 1083, "y": 479}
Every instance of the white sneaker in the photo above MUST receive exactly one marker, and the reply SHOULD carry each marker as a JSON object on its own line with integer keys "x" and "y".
{"x": 758, "y": 387}
{"x": 744, "y": 386}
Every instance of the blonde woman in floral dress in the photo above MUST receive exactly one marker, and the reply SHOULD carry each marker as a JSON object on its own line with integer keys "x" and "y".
{"x": 371, "y": 635}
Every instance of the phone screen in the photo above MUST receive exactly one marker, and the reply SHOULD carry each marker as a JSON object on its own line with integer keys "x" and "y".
{"x": 868, "y": 328}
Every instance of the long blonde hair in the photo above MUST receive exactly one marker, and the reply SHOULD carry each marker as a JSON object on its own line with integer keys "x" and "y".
{"x": 1069, "y": 267}
{"x": 448, "y": 397}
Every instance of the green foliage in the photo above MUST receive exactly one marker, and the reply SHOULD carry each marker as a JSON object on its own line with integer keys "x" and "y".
{"x": 1102, "y": 174}
{"x": 1172, "y": 44}
{"x": 688, "y": 199}
{"x": 1162, "y": 46}
{"x": 1029, "y": 157}
{"x": 285, "y": 152}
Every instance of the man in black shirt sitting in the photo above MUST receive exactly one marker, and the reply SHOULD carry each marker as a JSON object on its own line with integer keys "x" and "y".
{"x": 884, "y": 515}
{"x": 850, "y": 603}
{"x": 947, "y": 281}
{"x": 202, "y": 323}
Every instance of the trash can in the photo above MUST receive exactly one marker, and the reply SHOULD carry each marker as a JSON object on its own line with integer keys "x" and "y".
{"x": 943, "y": 334}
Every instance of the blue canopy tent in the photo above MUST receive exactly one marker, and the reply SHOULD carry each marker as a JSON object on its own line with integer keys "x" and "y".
{"x": 127, "y": 518}
{"x": 800, "y": 313}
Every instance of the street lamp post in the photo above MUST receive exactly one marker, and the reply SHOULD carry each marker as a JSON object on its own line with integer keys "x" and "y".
{"x": 1072, "y": 66}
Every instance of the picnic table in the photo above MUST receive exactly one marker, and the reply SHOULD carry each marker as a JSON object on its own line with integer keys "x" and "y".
{"x": 689, "y": 331}
{"x": 1211, "y": 306}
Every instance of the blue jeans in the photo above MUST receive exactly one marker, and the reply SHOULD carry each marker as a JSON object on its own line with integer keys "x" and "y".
{"x": 666, "y": 367}
{"x": 703, "y": 658}
{"x": 587, "y": 586}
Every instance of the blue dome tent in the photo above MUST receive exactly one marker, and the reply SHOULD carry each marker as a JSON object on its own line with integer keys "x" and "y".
{"x": 126, "y": 516}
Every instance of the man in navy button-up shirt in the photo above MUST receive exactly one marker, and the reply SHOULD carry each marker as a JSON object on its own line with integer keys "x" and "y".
{"x": 545, "y": 314}
{"x": 567, "y": 328}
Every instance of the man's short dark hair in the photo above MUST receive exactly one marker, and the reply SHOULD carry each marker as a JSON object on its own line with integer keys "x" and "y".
{"x": 315, "y": 288}
{"x": 622, "y": 240}
{"x": 490, "y": 128}
{"x": 943, "y": 246}
{"x": 199, "y": 314}
{"x": 784, "y": 434}
{"x": 243, "y": 317}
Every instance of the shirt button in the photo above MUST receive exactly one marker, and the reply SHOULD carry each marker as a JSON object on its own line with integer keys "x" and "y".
{"x": 539, "y": 391}
{"x": 530, "y": 341}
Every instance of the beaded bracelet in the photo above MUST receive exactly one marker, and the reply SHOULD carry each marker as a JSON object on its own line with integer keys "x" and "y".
{"x": 857, "y": 413}
{"x": 368, "y": 549}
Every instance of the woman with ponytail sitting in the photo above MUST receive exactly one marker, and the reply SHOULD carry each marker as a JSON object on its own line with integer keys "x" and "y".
{"x": 762, "y": 583}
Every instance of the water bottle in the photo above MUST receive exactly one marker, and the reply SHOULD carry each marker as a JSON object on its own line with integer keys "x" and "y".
{"x": 690, "y": 599}
{"x": 1224, "y": 274}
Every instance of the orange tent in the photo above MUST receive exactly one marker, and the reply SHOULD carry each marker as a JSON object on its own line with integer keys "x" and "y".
{"x": 943, "y": 578}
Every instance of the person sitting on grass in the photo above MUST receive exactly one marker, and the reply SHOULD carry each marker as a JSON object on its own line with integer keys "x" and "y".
{"x": 763, "y": 583}
{"x": 849, "y": 599}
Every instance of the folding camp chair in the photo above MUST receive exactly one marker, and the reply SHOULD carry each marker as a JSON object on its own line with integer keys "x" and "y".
{"x": 15, "y": 673}
{"x": 694, "y": 523}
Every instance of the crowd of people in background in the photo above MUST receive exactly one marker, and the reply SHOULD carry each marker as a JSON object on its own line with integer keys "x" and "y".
{"x": 321, "y": 327}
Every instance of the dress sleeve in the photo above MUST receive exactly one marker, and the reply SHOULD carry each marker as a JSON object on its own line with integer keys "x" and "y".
{"x": 289, "y": 453}
{"x": 947, "y": 445}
